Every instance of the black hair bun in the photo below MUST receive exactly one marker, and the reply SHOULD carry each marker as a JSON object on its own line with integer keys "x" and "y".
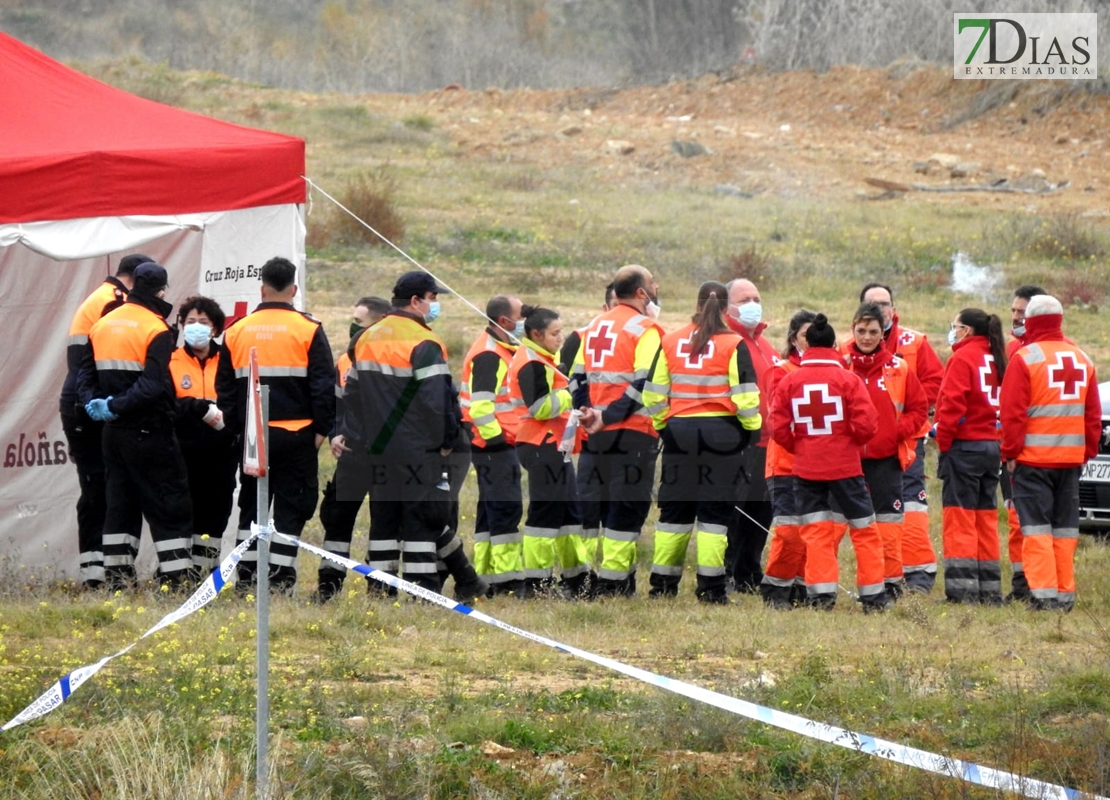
{"x": 820, "y": 321}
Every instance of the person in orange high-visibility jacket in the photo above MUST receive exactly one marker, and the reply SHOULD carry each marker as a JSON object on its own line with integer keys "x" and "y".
{"x": 589, "y": 496}
{"x": 610, "y": 384}
{"x": 82, "y": 434}
{"x": 125, "y": 381}
{"x": 399, "y": 400}
{"x": 206, "y": 443}
{"x": 1051, "y": 425}
{"x": 488, "y": 414}
{"x": 350, "y": 483}
{"x": 900, "y": 403}
{"x": 712, "y": 413}
{"x": 1019, "y": 588}
{"x": 541, "y": 398}
{"x": 822, "y": 414}
{"x": 784, "y": 582}
{"x": 967, "y": 437}
{"x": 295, "y": 361}
{"x": 919, "y": 560}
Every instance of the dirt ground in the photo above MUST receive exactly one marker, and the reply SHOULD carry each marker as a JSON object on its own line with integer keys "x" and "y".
{"x": 802, "y": 134}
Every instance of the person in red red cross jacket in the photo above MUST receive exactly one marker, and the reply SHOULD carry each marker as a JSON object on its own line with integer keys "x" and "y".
{"x": 823, "y": 415}
{"x": 747, "y": 533}
{"x": 919, "y": 561}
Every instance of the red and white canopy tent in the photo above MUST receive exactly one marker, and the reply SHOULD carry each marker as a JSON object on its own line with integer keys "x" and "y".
{"x": 88, "y": 174}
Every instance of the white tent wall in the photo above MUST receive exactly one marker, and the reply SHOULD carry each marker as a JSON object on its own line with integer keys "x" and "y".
{"x": 46, "y": 270}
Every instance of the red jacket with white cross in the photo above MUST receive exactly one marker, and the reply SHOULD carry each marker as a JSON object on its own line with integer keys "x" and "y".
{"x": 822, "y": 414}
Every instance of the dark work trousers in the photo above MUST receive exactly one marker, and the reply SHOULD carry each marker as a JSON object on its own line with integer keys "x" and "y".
{"x": 497, "y": 535}
{"x": 552, "y": 531}
{"x": 145, "y": 476}
{"x": 590, "y": 499}
{"x": 409, "y": 514}
{"x": 294, "y": 487}
{"x": 621, "y": 475}
{"x": 1019, "y": 587}
{"x": 701, "y": 476}
{"x": 884, "y": 483}
{"x": 972, "y": 560}
{"x": 211, "y": 472}
{"x": 85, "y": 451}
{"x": 342, "y": 500}
{"x": 747, "y": 532}
{"x": 1047, "y": 501}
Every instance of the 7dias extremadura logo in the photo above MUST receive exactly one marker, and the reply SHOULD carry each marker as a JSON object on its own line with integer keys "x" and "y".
{"x": 1025, "y": 46}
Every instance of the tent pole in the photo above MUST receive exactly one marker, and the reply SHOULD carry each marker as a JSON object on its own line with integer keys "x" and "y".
{"x": 262, "y": 708}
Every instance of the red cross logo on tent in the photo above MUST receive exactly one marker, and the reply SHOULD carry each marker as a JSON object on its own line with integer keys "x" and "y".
{"x": 693, "y": 360}
{"x": 600, "y": 344}
{"x": 1068, "y": 378}
{"x": 239, "y": 312}
{"x": 984, "y": 380}
{"x": 817, "y": 409}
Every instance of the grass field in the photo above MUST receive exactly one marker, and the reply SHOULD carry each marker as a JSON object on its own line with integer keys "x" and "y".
{"x": 400, "y": 700}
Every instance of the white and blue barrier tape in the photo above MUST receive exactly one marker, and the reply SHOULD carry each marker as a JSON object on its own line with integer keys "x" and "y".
{"x": 205, "y": 594}
{"x": 842, "y": 737}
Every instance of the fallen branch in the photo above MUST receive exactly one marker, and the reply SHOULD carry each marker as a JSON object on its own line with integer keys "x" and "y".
{"x": 892, "y": 188}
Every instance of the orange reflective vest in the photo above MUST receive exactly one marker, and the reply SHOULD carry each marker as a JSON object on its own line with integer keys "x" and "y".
{"x": 489, "y": 412}
{"x": 403, "y": 409}
{"x": 190, "y": 378}
{"x": 92, "y": 309}
{"x": 282, "y": 336}
{"x": 780, "y": 461}
{"x": 120, "y": 339}
{"x": 342, "y": 367}
{"x": 545, "y": 419}
{"x": 699, "y": 383}
{"x": 1060, "y": 375}
{"x": 608, "y": 355}
{"x": 895, "y": 371}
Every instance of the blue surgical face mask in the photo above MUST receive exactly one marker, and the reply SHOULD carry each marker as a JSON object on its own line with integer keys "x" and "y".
{"x": 197, "y": 334}
{"x": 433, "y": 312}
{"x": 1019, "y": 330}
{"x": 750, "y": 314}
{"x": 951, "y": 337}
{"x": 518, "y": 329}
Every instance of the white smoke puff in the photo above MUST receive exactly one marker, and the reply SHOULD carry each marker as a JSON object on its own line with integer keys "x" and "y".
{"x": 970, "y": 278}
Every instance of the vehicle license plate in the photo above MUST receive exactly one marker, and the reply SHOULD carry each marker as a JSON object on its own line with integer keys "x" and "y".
{"x": 1097, "y": 470}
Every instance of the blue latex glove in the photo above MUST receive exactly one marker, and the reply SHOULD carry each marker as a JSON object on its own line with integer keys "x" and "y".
{"x": 98, "y": 410}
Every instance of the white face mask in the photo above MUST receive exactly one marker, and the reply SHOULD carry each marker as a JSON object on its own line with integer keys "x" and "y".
{"x": 652, "y": 309}
{"x": 197, "y": 334}
{"x": 750, "y": 314}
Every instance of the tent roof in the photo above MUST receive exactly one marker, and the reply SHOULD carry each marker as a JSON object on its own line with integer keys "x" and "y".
{"x": 75, "y": 147}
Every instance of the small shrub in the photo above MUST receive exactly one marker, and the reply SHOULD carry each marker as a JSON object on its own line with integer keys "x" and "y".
{"x": 1066, "y": 236}
{"x": 750, "y": 264}
{"x": 419, "y": 122}
{"x": 1079, "y": 289}
{"x": 371, "y": 197}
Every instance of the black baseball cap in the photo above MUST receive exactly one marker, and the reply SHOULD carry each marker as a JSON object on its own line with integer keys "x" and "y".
{"x": 416, "y": 283}
{"x": 150, "y": 277}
